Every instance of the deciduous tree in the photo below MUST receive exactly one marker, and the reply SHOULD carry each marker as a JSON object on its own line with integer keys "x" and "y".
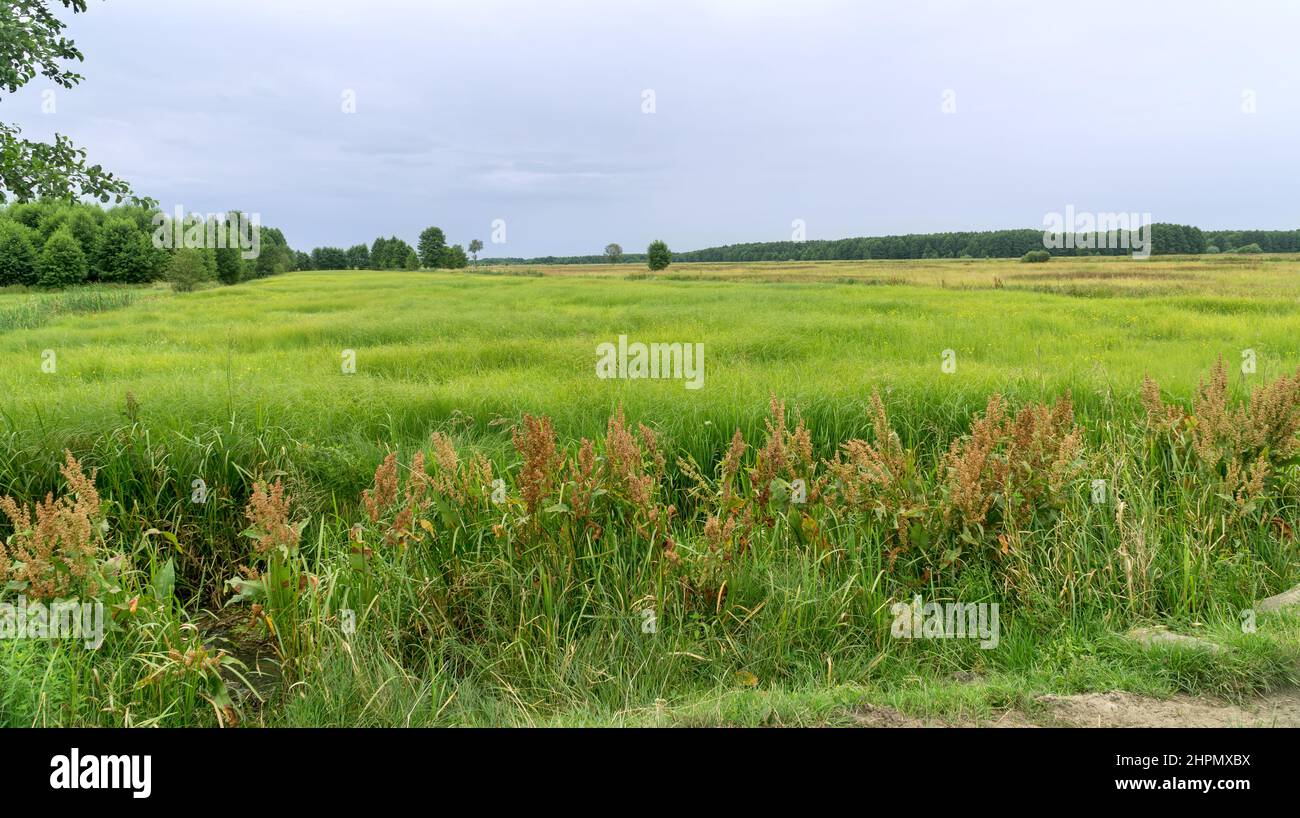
{"x": 62, "y": 263}
{"x": 122, "y": 254}
{"x": 17, "y": 254}
{"x": 658, "y": 256}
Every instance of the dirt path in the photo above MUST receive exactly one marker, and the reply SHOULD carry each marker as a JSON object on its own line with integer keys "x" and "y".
{"x": 1118, "y": 709}
{"x": 1115, "y": 709}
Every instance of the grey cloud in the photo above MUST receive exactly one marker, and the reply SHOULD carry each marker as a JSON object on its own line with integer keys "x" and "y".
{"x": 823, "y": 110}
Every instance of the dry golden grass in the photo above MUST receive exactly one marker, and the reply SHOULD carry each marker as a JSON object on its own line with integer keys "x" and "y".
{"x": 1221, "y": 274}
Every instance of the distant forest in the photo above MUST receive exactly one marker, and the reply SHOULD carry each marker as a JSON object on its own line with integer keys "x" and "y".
{"x": 1167, "y": 239}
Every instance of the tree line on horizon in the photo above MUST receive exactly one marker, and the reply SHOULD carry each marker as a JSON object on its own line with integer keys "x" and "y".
{"x": 1166, "y": 239}
{"x": 431, "y": 253}
{"x": 55, "y": 243}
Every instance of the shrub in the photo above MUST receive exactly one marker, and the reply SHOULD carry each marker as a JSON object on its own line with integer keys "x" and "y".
{"x": 1250, "y": 248}
{"x": 17, "y": 255}
{"x": 1212, "y": 249}
{"x": 658, "y": 256}
{"x": 1036, "y": 256}
{"x": 189, "y": 269}
{"x": 62, "y": 262}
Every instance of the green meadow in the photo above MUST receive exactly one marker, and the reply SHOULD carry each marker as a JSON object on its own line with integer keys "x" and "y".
{"x": 531, "y": 610}
{"x": 430, "y": 347}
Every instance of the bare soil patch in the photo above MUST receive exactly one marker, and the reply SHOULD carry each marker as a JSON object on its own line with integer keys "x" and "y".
{"x": 1116, "y": 709}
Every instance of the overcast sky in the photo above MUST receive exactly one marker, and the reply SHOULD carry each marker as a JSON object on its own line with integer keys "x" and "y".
{"x": 764, "y": 113}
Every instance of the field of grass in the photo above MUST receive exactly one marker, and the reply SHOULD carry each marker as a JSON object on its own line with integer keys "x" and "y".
{"x": 437, "y": 604}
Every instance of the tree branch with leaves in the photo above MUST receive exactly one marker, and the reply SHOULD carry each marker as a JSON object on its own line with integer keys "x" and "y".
{"x": 32, "y": 43}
